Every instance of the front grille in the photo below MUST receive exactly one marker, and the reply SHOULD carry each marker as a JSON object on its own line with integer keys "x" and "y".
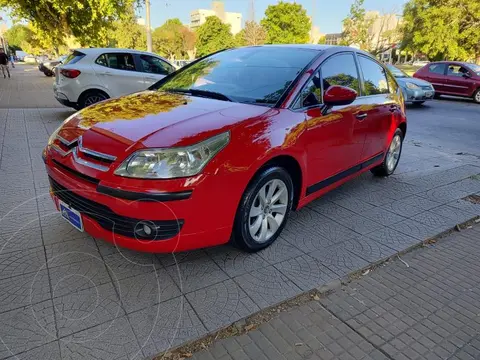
{"x": 107, "y": 219}
{"x": 76, "y": 173}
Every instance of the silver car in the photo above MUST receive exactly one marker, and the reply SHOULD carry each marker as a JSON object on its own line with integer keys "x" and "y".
{"x": 415, "y": 91}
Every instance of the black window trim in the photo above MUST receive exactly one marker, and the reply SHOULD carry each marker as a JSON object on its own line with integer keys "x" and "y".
{"x": 116, "y": 53}
{"x": 318, "y": 69}
{"x": 362, "y": 80}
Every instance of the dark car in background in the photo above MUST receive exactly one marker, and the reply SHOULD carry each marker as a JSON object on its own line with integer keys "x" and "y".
{"x": 415, "y": 91}
{"x": 453, "y": 78}
{"x": 48, "y": 67}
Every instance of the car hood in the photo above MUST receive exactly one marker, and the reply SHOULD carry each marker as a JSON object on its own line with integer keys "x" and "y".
{"x": 413, "y": 80}
{"x": 153, "y": 119}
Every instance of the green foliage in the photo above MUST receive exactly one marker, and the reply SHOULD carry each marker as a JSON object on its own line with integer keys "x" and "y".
{"x": 255, "y": 34}
{"x": 443, "y": 29}
{"x": 87, "y": 20}
{"x": 127, "y": 33}
{"x": 213, "y": 36}
{"x": 322, "y": 40}
{"x": 17, "y": 35}
{"x": 286, "y": 23}
{"x": 356, "y": 25}
{"x": 173, "y": 39}
{"x": 239, "y": 39}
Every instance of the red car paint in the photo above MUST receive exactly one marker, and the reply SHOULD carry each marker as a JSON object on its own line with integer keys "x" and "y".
{"x": 325, "y": 145}
{"x": 447, "y": 82}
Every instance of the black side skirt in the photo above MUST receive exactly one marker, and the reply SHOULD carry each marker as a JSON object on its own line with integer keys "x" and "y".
{"x": 335, "y": 178}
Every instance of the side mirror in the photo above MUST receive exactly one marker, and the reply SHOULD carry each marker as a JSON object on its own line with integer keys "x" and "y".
{"x": 466, "y": 75}
{"x": 337, "y": 95}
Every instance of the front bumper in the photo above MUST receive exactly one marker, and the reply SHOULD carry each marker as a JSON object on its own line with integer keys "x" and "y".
{"x": 418, "y": 95}
{"x": 181, "y": 224}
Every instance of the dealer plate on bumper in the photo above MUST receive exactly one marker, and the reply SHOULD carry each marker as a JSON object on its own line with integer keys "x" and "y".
{"x": 71, "y": 215}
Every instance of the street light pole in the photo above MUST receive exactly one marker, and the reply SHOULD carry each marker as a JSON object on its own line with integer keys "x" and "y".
{"x": 149, "y": 29}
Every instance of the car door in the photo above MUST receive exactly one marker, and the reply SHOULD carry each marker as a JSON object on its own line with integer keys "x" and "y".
{"x": 435, "y": 74}
{"x": 118, "y": 73}
{"x": 154, "y": 69}
{"x": 377, "y": 106}
{"x": 459, "y": 80}
{"x": 333, "y": 142}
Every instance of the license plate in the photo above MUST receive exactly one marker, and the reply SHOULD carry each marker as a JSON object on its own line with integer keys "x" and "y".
{"x": 71, "y": 215}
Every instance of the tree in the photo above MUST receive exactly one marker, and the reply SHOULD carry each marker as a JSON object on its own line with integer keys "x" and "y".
{"x": 443, "y": 29}
{"x": 17, "y": 35}
{"x": 173, "y": 39}
{"x": 213, "y": 36}
{"x": 322, "y": 40}
{"x": 254, "y": 33}
{"x": 286, "y": 23}
{"x": 239, "y": 38}
{"x": 356, "y": 27}
{"x": 128, "y": 33}
{"x": 87, "y": 20}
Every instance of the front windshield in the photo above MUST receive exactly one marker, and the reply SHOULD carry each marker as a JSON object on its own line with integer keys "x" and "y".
{"x": 474, "y": 67}
{"x": 256, "y": 75}
{"x": 396, "y": 72}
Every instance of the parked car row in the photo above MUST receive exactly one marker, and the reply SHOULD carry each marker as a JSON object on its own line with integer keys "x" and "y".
{"x": 48, "y": 68}
{"x": 220, "y": 150}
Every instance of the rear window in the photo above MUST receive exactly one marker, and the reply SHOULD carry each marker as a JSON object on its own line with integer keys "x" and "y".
{"x": 74, "y": 57}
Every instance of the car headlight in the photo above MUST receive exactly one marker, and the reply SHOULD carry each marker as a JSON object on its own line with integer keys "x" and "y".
{"x": 412, "y": 86}
{"x": 174, "y": 162}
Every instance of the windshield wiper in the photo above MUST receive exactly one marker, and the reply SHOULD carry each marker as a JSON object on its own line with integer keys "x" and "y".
{"x": 202, "y": 93}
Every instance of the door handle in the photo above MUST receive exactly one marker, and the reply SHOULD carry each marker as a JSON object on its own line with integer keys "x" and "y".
{"x": 361, "y": 116}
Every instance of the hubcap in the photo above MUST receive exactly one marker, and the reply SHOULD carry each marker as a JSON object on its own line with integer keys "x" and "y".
{"x": 267, "y": 212}
{"x": 93, "y": 99}
{"x": 477, "y": 96}
{"x": 394, "y": 152}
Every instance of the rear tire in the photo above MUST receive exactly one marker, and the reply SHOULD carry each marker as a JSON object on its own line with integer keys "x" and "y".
{"x": 418, "y": 103}
{"x": 392, "y": 157}
{"x": 91, "y": 97}
{"x": 263, "y": 210}
{"x": 476, "y": 96}
{"x": 437, "y": 96}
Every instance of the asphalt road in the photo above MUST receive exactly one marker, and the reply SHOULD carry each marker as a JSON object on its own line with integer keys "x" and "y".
{"x": 449, "y": 124}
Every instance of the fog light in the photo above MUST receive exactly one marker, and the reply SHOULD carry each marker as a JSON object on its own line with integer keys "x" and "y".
{"x": 146, "y": 229}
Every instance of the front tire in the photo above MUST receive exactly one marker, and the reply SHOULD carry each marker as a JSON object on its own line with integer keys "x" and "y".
{"x": 476, "y": 96}
{"x": 91, "y": 97}
{"x": 394, "y": 151}
{"x": 263, "y": 210}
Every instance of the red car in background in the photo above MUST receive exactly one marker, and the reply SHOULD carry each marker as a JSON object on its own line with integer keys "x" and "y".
{"x": 222, "y": 149}
{"x": 452, "y": 78}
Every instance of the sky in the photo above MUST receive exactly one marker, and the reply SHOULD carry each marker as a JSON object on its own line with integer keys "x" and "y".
{"x": 328, "y": 17}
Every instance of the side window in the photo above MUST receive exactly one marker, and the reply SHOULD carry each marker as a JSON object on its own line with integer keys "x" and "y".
{"x": 102, "y": 60}
{"x": 374, "y": 77}
{"x": 155, "y": 65}
{"x": 456, "y": 70}
{"x": 311, "y": 94}
{"x": 119, "y": 61}
{"x": 340, "y": 70}
{"x": 437, "y": 69}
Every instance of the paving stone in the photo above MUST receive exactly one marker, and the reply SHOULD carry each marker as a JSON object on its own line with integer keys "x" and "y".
{"x": 338, "y": 260}
{"x": 368, "y": 249}
{"x": 382, "y": 216}
{"x": 360, "y": 224}
{"x": 173, "y": 259}
{"x": 26, "y": 328}
{"x": 279, "y": 251}
{"x": 86, "y": 308}
{"x": 23, "y": 290}
{"x": 166, "y": 325}
{"x": 419, "y": 230}
{"x": 49, "y": 351}
{"x": 126, "y": 263}
{"x": 108, "y": 341}
{"x": 236, "y": 262}
{"x": 64, "y": 253}
{"x": 267, "y": 286}
{"x": 56, "y": 229}
{"x": 146, "y": 290}
{"x": 393, "y": 239}
{"x": 306, "y": 272}
{"x": 221, "y": 304}
{"x": 22, "y": 262}
{"x": 196, "y": 274}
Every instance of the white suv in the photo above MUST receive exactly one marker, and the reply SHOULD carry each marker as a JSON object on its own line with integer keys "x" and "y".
{"x": 91, "y": 75}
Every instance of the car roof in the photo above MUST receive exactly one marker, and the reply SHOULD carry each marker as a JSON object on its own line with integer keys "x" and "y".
{"x": 98, "y": 51}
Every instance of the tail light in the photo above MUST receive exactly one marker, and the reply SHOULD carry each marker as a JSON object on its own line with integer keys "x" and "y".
{"x": 70, "y": 73}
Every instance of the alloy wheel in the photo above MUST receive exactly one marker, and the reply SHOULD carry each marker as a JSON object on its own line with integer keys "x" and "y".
{"x": 268, "y": 210}
{"x": 92, "y": 99}
{"x": 393, "y": 153}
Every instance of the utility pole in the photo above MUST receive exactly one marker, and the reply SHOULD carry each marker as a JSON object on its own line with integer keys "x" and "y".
{"x": 251, "y": 15}
{"x": 149, "y": 28}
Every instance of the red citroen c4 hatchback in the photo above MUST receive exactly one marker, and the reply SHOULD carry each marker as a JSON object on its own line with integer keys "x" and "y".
{"x": 224, "y": 148}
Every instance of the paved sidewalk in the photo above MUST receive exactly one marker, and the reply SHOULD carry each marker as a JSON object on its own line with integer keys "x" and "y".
{"x": 428, "y": 310}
